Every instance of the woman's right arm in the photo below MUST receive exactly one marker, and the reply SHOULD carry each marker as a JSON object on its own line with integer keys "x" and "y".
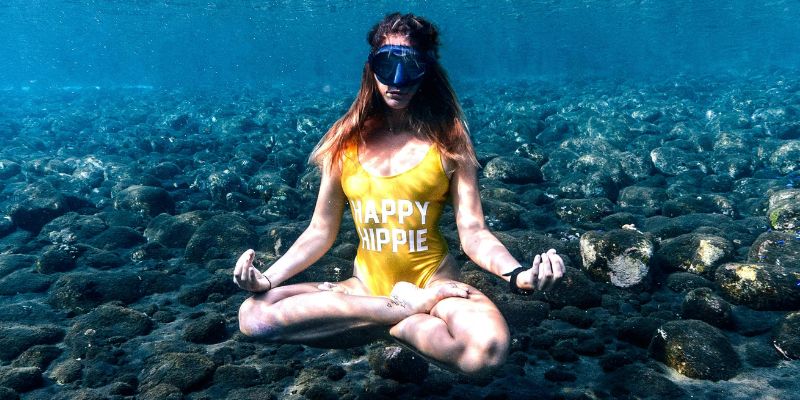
{"x": 308, "y": 248}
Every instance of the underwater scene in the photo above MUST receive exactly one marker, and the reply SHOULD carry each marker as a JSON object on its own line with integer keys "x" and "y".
{"x": 655, "y": 145}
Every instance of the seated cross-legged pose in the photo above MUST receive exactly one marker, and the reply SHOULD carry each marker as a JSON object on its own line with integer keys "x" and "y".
{"x": 396, "y": 157}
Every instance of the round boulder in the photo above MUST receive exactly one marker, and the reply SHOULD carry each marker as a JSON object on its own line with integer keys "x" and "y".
{"x": 146, "y": 200}
{"x": 760, "y": 286}
{"x": 776, "y": 247}
{"x": 695, "y": 349}
{"x": 513, "y": 169}
{"x": 222, "y": 236}
{"x": 705, "y": 305}
{"x": 399, "y": 364}
{"x": 620, "y": 256}
{"x": 786, "y": 338}
{"x": 105, "y": 326}
{"x": 182, "y": 370}
{"x": 784, "y": 210}
{"x": 642, "y": 200}
{"x": 694, "y": 252}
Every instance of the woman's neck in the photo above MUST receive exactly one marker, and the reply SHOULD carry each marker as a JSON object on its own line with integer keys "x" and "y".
{"x": 396, "y": 120}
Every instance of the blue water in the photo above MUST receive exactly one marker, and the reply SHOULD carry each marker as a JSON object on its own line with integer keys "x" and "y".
{"x": 214, "y": 43}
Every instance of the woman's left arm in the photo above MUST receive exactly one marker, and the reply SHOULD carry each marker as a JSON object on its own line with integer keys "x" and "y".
{"x": 484, "y": 248}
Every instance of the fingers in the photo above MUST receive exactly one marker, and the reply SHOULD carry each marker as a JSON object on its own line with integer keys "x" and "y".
{"x": 244, "y": 268}
{"x": 545, "y": 273}
{"x": 453, "y": 290}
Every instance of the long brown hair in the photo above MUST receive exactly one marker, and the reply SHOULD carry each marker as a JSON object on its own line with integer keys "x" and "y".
{"x": 434, "y": 111}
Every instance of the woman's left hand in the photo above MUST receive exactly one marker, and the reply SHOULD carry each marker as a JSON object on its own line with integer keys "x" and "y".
{"x": 547, "y": 269}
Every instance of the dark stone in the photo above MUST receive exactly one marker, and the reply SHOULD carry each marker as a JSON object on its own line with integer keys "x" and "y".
{"x": 583, "y": 210}
{"x": 558, "y": 374}
{"x": 100, "y": 259}
{"x": 15, "y": 339}
{"x": 694, "y": 252}
{"x": 759, "y": 286}
{"x": 222, "y": 236}
{"x": 117, "y": 237}
{"x": 776, "y": 247}
{"x": 617, "y": 360}
{"x": 108, "y": 325}
{"x": 236, "y": 376}
{"x": 59, "y": 258}
{"x": 177, "y": 230}
{"x": 276, "y": 372}
{"x": 9, "y": 169}
{"x": 686, "y": 281}
{"x": 186, "y": 371}
{"x": 751, "y": 322}
{"x": 398, "y": 363}
{"x": 162, "y": 391}
{"x": 24, "y": 281}
{"x": 691, "y": 203}
{"x": 145, "y": 200}
{"x": 574, "y": 289}
{"x": 72, "y": 228}
{"x": 642, "y": 200}
{"x": 674, "y": 161}
{"x": 574, "y": 316}
{"x": 705, "y": 305}
{"x": 639, "y": 330}
{"x": 502, "y": 216}
{"x": 620, "y": 256}
{"x": 785, "y": 157}
{"x": 784, "y": 210}
{"x": 513, "y": 170}
{"x": 8, "y": 394}
{"x": 590, "y": 347}
{"x": 67, "y": 371}
{"x": 14, "y": 262}
{"x": 208, "y": 329}
{"x": 21, "y": 379}
{"x": 786, "y": 337}
{"x": 41, "y": 204}
{"x": 278, "y": 238}
{"x": 564, "y": 351}
{"x": 761, "y": 354}
{"x": 523, "y": 314}
{"x": 39, "y": 356}
{"x": 81, "y": 292}
{"x": 335, "y": 372}
{"x": 645, "y": 382}
{"x": 695, "y": 349}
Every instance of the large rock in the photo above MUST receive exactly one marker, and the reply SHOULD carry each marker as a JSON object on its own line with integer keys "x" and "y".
{"x": 694, "y": 252}
{"x": 583, "y": 210}
{"x": 620, "y": 256}
{"x": 513, "y": 169}
{"x": 784, "y": 159}
{"x": 399, "y": 364}
{"x": 674, "y": 161}
{"x": 695, "y": 349}
{"x": 175, "y": 231}
{"x": 15, "y": 339}
{"x": 574, "y": 289}
{"x": 784, "y": 210}
{"x": 182, "y": 370}
{"x": 146, "y": 200}
{"x": 776, "y": 247}
{"x": 705, "y": 305}
{"x": 760, "y": 286}
{"x": 108, "y": 325}
{"x": 222, "y": 236}
{"x": 41, "y": 204}
{"x": 81, "y": 292}
{"x": 786, "y": 337}
{"x": 642, "y": 200}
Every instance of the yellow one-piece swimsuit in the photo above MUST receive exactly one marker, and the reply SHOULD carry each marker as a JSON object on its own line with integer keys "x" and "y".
{"x": 397, "y": 220}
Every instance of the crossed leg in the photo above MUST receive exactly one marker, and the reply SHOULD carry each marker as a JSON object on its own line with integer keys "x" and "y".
{"x": 466, "y": 334}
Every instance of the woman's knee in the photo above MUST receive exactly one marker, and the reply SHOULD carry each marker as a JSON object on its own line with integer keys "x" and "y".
{"x": 483, "y": 354}
{"x": 255, "y": 319}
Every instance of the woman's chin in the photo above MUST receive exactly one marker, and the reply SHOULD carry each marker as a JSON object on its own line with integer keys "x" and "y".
{"x": 396, "y": 105}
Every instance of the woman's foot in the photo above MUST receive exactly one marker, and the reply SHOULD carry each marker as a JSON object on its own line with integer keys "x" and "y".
{"x": 418, "y": 300}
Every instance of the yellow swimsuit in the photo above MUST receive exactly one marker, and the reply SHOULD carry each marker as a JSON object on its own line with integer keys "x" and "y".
{"x": 397, "y": 220}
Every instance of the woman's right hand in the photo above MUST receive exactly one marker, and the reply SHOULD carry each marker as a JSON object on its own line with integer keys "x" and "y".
{"x": 247, "y": 276}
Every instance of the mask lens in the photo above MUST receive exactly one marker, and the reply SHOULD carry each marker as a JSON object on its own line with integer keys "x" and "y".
{"x": 398, "y": 65}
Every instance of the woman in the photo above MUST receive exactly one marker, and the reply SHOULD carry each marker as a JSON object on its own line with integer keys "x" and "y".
{"x": 398, "y": 154}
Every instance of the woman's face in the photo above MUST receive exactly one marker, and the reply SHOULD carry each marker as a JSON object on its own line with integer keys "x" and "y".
{"x": 395, "y": 97}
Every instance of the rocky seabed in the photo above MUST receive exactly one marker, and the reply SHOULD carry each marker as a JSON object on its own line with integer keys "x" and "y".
{"x": 675, "y": 203}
